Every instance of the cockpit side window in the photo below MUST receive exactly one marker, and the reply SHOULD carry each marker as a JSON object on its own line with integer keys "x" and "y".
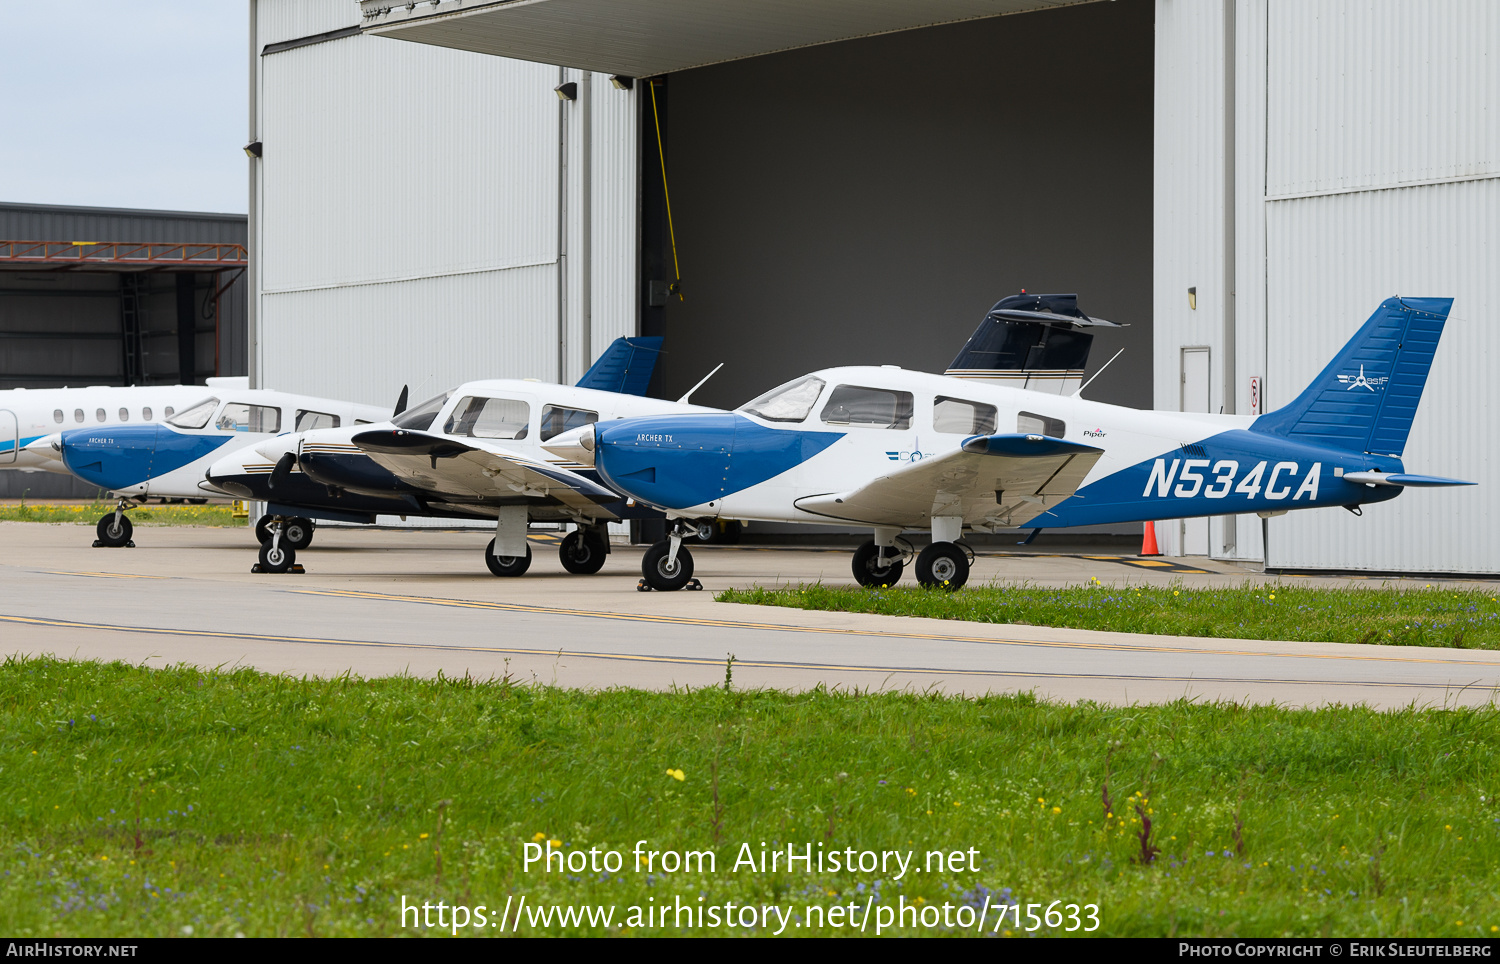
{"x": 308, "y": 421}
{"x": 196, "y": 416}
{"x": 500, "y": 418}
{"x": 419, "y": 419}
{"x": 1029, "y": 423}
{"x": 787, "y": 403}
{"x": 873, "y": 407}
{"x": 557, "y": 420}
{"x": 243, "y": 417}
{"x": 957, "y": 416}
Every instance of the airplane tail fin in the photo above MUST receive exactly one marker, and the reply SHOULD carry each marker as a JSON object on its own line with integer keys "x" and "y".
{"x": 625, "y": 366}
{"x": 1366, "y": 398}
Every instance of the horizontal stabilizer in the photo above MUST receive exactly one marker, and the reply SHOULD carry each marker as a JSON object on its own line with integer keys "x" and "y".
{"x": 1024, "y": 446}
{"x": 625, "y": 367}
{"x": 1402, "y": 479}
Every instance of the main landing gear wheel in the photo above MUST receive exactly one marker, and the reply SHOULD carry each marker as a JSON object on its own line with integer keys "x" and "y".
{"x": 506, "y": 565}
{"x": 664, "y": 575}
{"x": 871, "y": 570}
{"x": 297, "y": 532}
{"x": 943, "y": 565}
{"x": 721, "y": 532}
{"x": 263, "y": 529}
{"x": 582, "y": 553}
{"x": 114, "y": 530}
{"x": 277, "y": 557}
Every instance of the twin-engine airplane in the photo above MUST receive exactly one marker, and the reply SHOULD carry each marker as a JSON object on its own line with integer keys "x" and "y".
{"x": 471, "y": 453}
{"x": 898, "y": 450}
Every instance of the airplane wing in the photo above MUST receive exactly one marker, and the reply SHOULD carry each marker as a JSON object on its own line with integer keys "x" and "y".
{"x": 993, "y": 481}
{"x": 473, "y": 472}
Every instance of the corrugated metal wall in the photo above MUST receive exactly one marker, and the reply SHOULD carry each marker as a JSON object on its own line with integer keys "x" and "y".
{"x": 282, "y": 20}
{"x": 1367, "y": 164}
{"x": 413, "y": 202}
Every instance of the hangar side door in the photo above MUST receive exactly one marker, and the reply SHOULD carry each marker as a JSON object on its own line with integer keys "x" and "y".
{"x": 1195, "y": 398}
{"x": 10, "y": 437}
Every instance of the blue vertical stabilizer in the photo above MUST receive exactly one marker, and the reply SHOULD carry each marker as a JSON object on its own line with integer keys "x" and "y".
{"x": 625, "y": 366}
{"x": 1367, "y": 397}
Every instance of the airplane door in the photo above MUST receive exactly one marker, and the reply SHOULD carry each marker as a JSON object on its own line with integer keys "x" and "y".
{"x": 10, "y": 437}
{"x": 1195, "y": 399}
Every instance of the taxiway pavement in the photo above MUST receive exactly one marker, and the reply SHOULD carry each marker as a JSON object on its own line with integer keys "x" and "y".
{"x": 385, "y": 602}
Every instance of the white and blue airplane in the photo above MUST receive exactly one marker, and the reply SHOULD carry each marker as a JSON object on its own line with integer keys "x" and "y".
{"x": 898, "y": 450}
{"x": 136, "y": 462}
{"x": 30, "y": 414}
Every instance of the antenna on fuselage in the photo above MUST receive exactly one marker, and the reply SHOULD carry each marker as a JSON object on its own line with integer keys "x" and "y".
{"x": 690, "y": 391}
{"x": 1098, "y": 373}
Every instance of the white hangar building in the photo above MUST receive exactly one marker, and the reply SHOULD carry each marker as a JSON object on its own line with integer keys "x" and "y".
{"x": 434, "y": 198}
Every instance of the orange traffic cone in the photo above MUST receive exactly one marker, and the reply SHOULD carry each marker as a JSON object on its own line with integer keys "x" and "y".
{"x": 1148, "y": 542}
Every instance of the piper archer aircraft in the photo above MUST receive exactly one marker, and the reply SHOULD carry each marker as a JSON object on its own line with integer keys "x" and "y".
{"x": 167, "y": 459}
{"x": 29, "y": 414}
{"x": 899, "y": 450}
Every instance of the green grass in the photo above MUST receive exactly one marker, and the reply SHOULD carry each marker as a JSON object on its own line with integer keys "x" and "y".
{"x": 145, "y": 802}
{"x": 1464, "y": 618}
{"x": 155, "y": 515}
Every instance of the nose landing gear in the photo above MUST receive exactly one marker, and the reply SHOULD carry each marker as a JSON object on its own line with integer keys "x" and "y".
{"x": 114, "y": 530}
{"x": 667, "y": 565}
{"x": 279, "y": 538}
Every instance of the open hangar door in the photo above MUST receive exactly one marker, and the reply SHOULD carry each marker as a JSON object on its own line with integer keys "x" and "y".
{"x": 866, "y": 202}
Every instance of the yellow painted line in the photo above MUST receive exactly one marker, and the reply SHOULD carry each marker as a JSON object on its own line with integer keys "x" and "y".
{"x": 1148, "y": 562}
{"x": 102, "y": 575}
{"x": 684, "y": 660}
{"x": 837, "y": 631}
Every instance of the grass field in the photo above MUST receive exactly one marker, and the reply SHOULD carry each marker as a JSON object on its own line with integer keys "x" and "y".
{"x": 90, "y": 513}
{"x": 1463, "y": 618}
{"x": 167, "y": 802}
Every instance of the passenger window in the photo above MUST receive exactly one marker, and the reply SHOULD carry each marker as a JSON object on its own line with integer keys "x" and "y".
{"x": 557, "y": 420}
{"x": 503, "y": 418}
{"x": 168, "y": 413}
{"x": 309, "y": 421}
{"x": 1029, "y": 423}
{"x": 955, "y": 416}
{"x": 57, "y": 416}
{"x": 124, "y": 414}
{"x": 240, "y": 417}
{"x": 875, "y": 407}
{"x": 146, "y": 413}
{"x": 101, "y": 415}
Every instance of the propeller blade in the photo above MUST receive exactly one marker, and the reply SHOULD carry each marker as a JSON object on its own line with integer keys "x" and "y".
{"x": 282, "y": 470}
{"x": 400, "y": 402}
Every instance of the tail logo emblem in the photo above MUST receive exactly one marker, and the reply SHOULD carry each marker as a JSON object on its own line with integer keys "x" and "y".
{"x": 1360, "y": 381}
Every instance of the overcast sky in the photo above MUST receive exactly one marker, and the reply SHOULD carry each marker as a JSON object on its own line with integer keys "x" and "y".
{"x": 139, "y": 104}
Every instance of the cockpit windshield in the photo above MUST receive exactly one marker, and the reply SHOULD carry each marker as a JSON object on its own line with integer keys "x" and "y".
{"x": 787, "y": 403}
{"x": 197, "y": 416}
{"x": 419, "y": 419}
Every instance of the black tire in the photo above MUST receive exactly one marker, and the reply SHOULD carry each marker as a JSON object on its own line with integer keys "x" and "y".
{"x": 582, "y": 553}
{"x": 506, "y": 565}
{"x": 263, "y": 529}
{"x": 279, "y": 559}
{"x": 943, "y": 565}
{"x": 865, "y": 571}
{"x": 297, "y": 532}
{"x": 659, "y": 575}
{"x": 112, "y": 535}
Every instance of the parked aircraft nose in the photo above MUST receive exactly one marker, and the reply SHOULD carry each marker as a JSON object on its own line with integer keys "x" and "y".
{"x": 577, "y": 445}
{"x": 113, "y": 458}
{"x": 273, "y": 449}
{"x": 47, "y": 447}
{"x": 669, "y": 461}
